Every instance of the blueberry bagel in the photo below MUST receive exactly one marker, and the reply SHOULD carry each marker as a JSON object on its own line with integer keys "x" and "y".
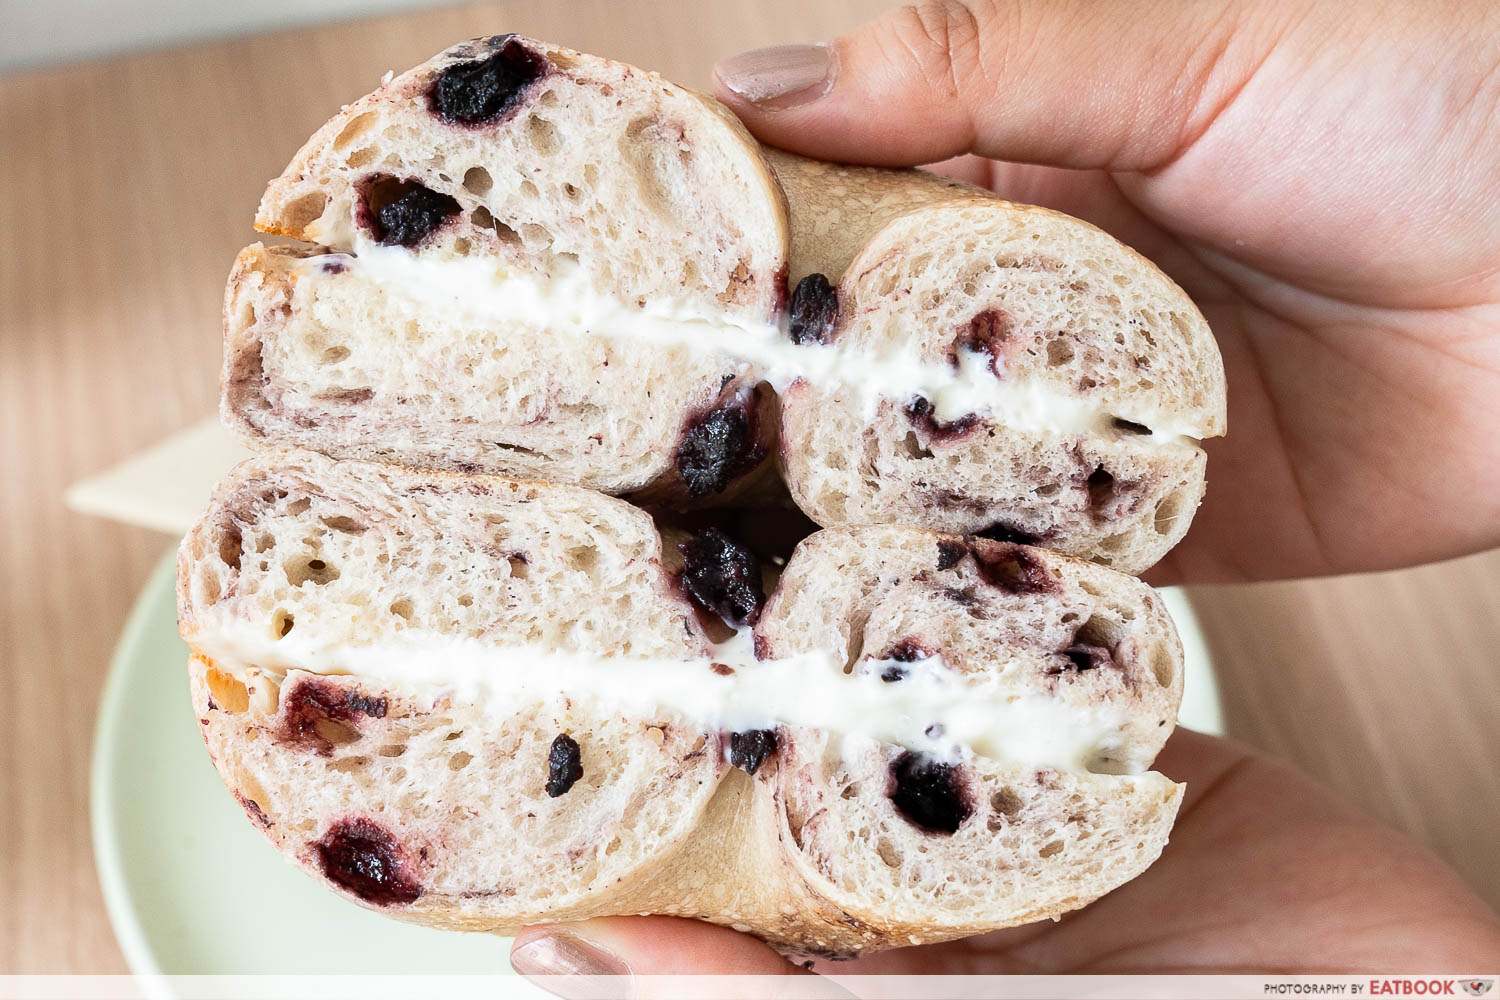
{"x": 1005, "y": 370}
{"x": 529, "y": 260}
{"x": 474, "y": 702}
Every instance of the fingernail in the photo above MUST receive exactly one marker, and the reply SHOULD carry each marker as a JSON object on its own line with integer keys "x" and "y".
{"x": 552, "y": 959}
{"x": 783, "y": 76}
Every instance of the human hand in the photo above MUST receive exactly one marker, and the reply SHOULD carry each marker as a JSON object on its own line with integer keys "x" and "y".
{"x": 1323, "y": 186}
{"x": 1266, "y": 871}
{"x": 1320, "y": 179}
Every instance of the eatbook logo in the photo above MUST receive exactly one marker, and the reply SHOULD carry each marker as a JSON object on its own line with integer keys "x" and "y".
{"x": 1477, "y": 987}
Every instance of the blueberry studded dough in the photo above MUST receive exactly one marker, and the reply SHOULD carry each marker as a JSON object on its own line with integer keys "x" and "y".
{"x": 544, "y": 264}
{"x": 646, "y": 521}
{"x": 343, "y": 616}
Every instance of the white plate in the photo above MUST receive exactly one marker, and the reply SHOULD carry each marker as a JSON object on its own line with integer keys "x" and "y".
{"x": 193, "y": 889}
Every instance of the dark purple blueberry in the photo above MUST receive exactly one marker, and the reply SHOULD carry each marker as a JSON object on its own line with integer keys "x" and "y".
{"x": 715, "y": 449}
{"x": 483, "y": 91}
{"x": 907, "y": 650}
{"x": 722, "y": 576}
{"x": 317, "y": 713}
{"x": 1130, "y": 426}
{"x": 815, "y": 306}
{"x": 365, "y": 859}
{"x": 1014, "y": 569}
{"x": 564, "y": 765}
{"x": 986, "y": 333}
{"x": 963, "y": 597}
{"x": 404, "y": 213}
{"x": 920, "y": 412}
{"x": 929, "y": 793}
{"x": 1003, "y": 532}
{"x": 749, "y": 750}
{"x": 365, "y": 705}
{"x": 950, "y": 554}
{"x": 892, "y": 674}
{"x": 253, "y": 810}
{"x": 334, "y": 267}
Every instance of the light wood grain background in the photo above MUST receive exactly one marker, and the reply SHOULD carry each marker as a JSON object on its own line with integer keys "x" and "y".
{"x": 126, "y": 187}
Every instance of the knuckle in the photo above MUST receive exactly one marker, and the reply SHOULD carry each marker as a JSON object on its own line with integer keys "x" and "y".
{"x": 942, "y": 39}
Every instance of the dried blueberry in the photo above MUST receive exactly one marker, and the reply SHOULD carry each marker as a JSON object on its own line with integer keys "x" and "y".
{"x": 722, "y": 576}
{"x": 715, "y": 449}
{"x": 815, "y": 305}
{"x": 483, "y": 91}
{"x": 892, "y": 674}
{"x": 316, "y": 714}
{"x": 922, "y": 413}
{"x": 907, "y": 651}
{"x": 364, "y": 858}
{"x": 365, "y": 705}
{"x": 1013, "y": 568}
{"x": 253, "y": 810}
{"x": 564, "y": 765}
{"x": 950, "y": 554}
{"x": 404, "y": 213}
{"x": 929, "y": 793}
{"x": 749, "y": 750}
{"x": 986, "y": 333}
{"x": 964, "y": 597}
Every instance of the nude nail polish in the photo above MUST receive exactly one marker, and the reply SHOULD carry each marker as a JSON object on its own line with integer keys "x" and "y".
{"x": 562, "y": 963}
{"x": 783, "y": 76}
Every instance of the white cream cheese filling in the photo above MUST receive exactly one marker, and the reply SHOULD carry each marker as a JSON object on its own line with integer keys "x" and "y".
{"x": 930, "y": 709}
{"x": 474, "y": 289}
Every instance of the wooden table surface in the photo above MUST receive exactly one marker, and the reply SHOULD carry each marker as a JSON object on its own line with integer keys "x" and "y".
{"x": 126, "y": 187}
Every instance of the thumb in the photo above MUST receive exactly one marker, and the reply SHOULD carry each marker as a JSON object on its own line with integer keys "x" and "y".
{"x": 1117, "y": 84}
{"x": 646, "y": 957}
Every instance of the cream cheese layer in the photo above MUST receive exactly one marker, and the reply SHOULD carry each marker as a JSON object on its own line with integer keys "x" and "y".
{"x": 931, "y": 708}
{"x": 476, "y": 290}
